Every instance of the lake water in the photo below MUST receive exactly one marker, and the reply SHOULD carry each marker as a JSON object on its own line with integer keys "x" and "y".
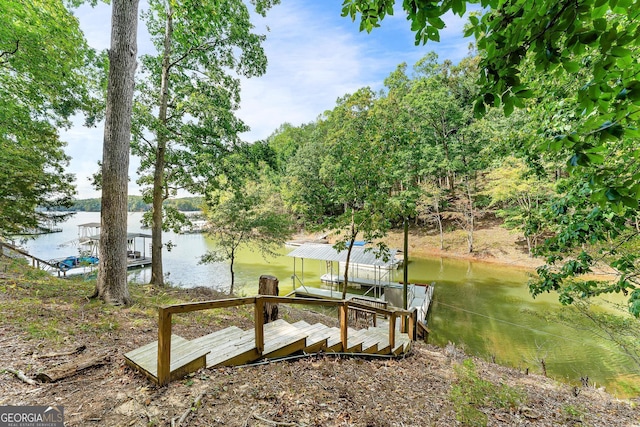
{"x": 486, "y": 309}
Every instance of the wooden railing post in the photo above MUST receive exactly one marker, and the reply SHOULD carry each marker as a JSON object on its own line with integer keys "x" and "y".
{"x": 392, "y": 330}
{"x": 412, "y": 318}
{"x": 344, "y": 322}
{"x": 259, "y": 324}
{"x": 164, "y": 346}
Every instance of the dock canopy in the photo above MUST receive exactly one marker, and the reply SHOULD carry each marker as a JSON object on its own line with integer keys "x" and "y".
{"x": 359, "y": 255}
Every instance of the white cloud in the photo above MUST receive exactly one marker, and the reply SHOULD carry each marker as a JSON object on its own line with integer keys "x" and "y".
{"x": 314, "y": 55}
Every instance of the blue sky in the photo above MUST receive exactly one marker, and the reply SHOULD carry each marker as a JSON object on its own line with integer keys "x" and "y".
{"x": 314, "y": 54}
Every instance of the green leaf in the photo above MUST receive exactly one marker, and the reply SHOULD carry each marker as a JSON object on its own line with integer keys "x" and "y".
{"x": 571, "y": 67}
{"x": 619, "y": 51}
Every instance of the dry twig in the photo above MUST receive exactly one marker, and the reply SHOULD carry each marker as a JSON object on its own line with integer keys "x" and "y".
{"x": 77, "y": 350}
{"x": 186, "y": 413}
{"x": 275, "y": 423}
{"x": 21, "y": 376}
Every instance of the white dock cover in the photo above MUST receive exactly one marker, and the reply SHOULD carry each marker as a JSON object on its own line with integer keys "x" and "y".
{"x": 359, "y": 255}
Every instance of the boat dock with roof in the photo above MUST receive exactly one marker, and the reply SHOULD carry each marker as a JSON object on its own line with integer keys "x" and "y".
{"x": 377, "y": 286}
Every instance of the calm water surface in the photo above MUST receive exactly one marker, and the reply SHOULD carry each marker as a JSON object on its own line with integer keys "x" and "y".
{"x": 485, "y": 309}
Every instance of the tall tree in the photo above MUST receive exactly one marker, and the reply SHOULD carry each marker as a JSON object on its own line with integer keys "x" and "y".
{"x": 111, "y": 285}
{"x": 185, "y": 111}
{"x": 520, "y": 196}
{"x": 244, "y": 209}
{"x": 351, "y": 187}
{"x": 44, "y": 79}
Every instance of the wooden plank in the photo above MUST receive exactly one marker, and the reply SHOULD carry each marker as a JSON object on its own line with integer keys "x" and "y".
{"x": 315, "y": 345}
{"x": 163, "y": 370}
{"x": 285, "y": 337}
{"x": 183, "y": 370}
{"x": 206, "y": 305}
{"x": 368, "y": 344}
{"x": 239, "y": 351}
{"x": 321, "y": 335}
{"x": 334, "y": 342}
{"x": 301, "y": 324}
{"x": 392, "y": 330}
{"x": 281, "y": 339}
{"x": 383, "y": 339}
{"x": 214, "y": 339}
{"x": 285, "y": 347}
{"x": 259, "y": 324}
{"x": 185, "y": 357}
{"x": 344, "y": 322}
{"x": 372, "y": 342}
{"x": 402, "y": 345}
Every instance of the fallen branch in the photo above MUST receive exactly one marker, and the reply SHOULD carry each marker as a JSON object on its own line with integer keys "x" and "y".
{"x": 196, "y": 404}
{"x": 72, "y": 368}
{"x": 77, "y": 350}
{"x": 275, "y": 423}
{"x": 20, "y": 375}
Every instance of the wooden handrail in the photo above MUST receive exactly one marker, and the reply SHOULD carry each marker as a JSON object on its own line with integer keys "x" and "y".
{"x": 26, "y": 254}
{"x": 165, "y": 313}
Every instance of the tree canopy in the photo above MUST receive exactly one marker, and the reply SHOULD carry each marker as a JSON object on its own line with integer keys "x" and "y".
{"x": 187, "y": 95}
{"x": 587, "y": 54}
{"x": 44, "y": 79}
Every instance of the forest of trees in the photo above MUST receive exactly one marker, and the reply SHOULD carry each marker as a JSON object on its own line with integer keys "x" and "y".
{"x": 538, "y": 126}
{"x": 138, "y": 204}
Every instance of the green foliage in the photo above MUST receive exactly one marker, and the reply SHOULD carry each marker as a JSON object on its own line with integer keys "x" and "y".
{"x": 470, "y": 394}
{"x": 578, "y": 64}
{"x": 344, "y": 179}
{"x": 587, "y": 234}
{"x": 244, "y": 209}
{"x": 184, "y": 111}
{"x": 137, "y": 204}
{"x": 44, "y": 64}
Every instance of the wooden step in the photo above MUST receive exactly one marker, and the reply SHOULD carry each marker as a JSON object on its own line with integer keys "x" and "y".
{"x": 383, "y": 339}
{"x": 318, "y": 337}
{"x": 240, "y": 351}
{"x": 217, "y": 338}
{"x": 186, "y": 357}
{"x": 301, "y": 324}
{"x": 354, "y": 341}
{"x": 334, "y": 343}
{"x": 282, "y": 340}
{"x": 403, "y": 344}
{"x": 370, "y": 343}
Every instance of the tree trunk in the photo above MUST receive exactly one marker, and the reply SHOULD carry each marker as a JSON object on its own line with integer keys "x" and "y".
{"x": 346, "y": 270}
{"x": 346, "y": 265}
{"x": 471, "y": 219}
{"x": 268, "y": 285}
{"x": 157, "y": 276}
{"x": 232, "y": 259}
{"x": 111, "y": 285}
{"x": 439, "y": 220}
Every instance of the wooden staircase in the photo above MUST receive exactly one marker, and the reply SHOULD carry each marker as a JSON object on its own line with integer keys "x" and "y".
{"x": 233, "y": 346}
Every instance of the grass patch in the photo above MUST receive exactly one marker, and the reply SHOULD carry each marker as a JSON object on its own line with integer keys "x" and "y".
{"x": 471, "y": 394}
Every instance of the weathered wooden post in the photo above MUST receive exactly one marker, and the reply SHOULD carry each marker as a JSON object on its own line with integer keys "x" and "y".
{"x": 392, "y": 330}
{"x": 259, "y": 324}
{"x": 268, "y": 285}
{"x": 344, "y": 324}
{"x": 164, "y": 346}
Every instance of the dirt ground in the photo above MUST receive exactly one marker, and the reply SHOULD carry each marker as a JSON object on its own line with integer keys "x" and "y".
{"x": 43, "y": 318}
